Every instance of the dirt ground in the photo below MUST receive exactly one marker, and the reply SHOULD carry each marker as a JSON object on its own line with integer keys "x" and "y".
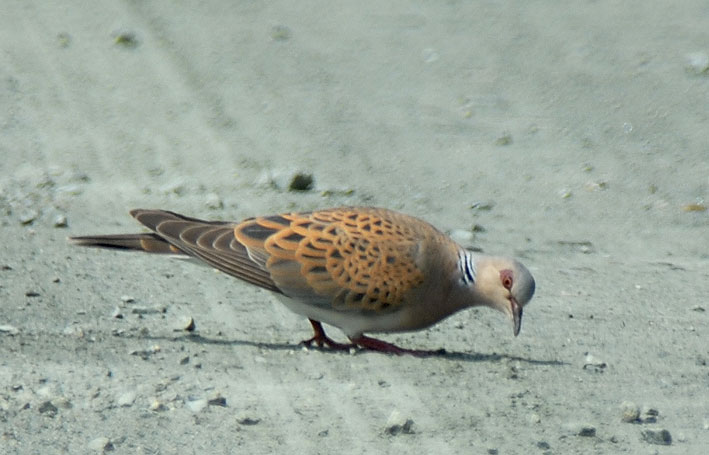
{"x": 572, "y": 136}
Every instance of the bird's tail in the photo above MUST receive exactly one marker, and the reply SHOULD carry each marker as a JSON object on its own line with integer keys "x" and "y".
{"x": 147, "y": 242}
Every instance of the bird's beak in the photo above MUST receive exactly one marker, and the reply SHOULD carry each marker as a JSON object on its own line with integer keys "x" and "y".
{"x": 516, "y": 315}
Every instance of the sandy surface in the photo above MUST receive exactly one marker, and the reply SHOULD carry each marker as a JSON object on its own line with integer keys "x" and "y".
{"x": 575, "y": 135}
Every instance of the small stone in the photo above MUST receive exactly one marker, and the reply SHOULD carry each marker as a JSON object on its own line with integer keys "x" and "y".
{"x": 74, "y": 331}
{"x": 592, "y": 363}
{"x": 126, "y": 399}
{"x": 492, "y": 451}
{"x": 116, "y": 314}
{"x": 280, "y": 33}
{"x": 248, "y": 421}
{"x": 598, "y": 185}
{"x": 657, "y": 436}
{"x": 397, "y": 424}
{"x": 697, "y": 63}
{"x": 127, "y": 299}
{"x": 543, "y": 445}
{"x": 9, "y": 329}
{"x": 157, "y": 406}
{"x": 587, "y": 431}
{"x": 125, "y": 38}
{"x": 144, "y": 310}
{"x": 630, "y": 412}
{"x": 60, "y": 221}
{"x": 190, "y": 325}
{"x": 145, "y": 354}
{"x": 48, "y": 408}
{"x": 32, "y": 294}
{"x": 301, "y": 182}
{"x": 63, "y": 39}
{"x": 504, "y": 139}
{"x": 101, "y": 444}
{"x": 217, "y": 401}
{"x": 482, "y": 205}
{"x": 213, "y": 201}
{"x": 649, "y": 415}
{"x": 28, "y": 216}
{"x": 196, "y": 405}
{"x": 62, "y": 403}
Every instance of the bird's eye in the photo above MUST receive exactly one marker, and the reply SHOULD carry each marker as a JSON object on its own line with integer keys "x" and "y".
{"x": 506, "y": 278}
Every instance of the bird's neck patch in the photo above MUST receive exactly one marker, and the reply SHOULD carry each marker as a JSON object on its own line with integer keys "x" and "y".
{"x": 467, "y": 267}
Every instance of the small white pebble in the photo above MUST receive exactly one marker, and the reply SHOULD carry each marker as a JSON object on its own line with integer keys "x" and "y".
{"x": 213, "y": 201}
{"x": 697, "y": 63}
{"x": 196, "y": 405}
{"x": 126, "y": 399}
{"x": 101, "y": 444}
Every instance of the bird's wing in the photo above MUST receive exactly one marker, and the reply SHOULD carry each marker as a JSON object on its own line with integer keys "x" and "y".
{"x": 211, "y": 241}
{"x": 350, "y": 259}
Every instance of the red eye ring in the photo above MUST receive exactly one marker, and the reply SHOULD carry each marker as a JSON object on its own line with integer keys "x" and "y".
{"x": 506, "y": 278}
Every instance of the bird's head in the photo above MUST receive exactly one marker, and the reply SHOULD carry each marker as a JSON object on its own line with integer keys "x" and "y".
{"x": 503, "y": 284}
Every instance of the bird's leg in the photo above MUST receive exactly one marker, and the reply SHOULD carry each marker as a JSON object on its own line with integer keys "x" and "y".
{"x": 373, "y": 344}
{"x": 320, "y": 339}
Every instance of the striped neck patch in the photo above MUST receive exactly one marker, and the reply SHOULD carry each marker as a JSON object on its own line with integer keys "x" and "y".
{"x": 466, "y": 266}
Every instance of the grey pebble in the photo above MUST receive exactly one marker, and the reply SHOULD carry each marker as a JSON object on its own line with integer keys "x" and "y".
{"x": 649, "y": 415}
{"x": 301, "y": 182}
{"x": 28, "y": 216}
{"x": 248, "y": 421}
{"x": 116, "y": 314}
{"x": 48, "y": 408}
{"x": 148, "y": 310}
{"x": 101, "y": 444}
{"x": 398, "y": 424}
{"x": 657, "y": 436}
{"x": 218, "y": 401}
{"x": 9, "y": 329}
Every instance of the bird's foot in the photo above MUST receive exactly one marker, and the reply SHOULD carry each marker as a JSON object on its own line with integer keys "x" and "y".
{"x": 321, "y": 340}
{"x": 372, "y": 344}
{"x": 362, "y": 342}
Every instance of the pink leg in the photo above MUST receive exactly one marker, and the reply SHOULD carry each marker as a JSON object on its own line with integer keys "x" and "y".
{"x": 373, "y": 344}
{"x": 321, "y": 340}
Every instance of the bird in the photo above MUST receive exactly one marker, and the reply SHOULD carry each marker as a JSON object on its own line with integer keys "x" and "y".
{"x": 363, "y": 270}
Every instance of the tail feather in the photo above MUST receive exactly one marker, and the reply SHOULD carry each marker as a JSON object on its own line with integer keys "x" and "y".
{"x": 147, "y": 242}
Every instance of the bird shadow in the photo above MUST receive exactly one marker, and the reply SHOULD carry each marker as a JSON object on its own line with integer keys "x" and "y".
{"x": 437, "y": 354}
